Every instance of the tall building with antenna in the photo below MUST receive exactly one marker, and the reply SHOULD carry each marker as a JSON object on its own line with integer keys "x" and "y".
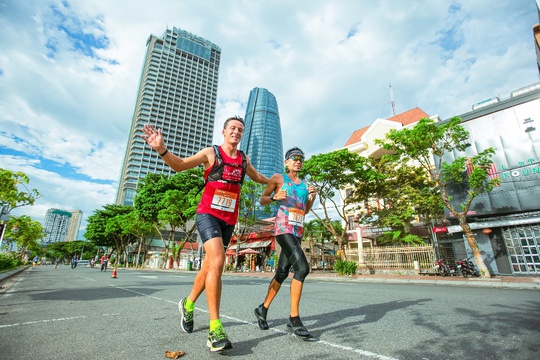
{"x": 262, "y": 140}
{"x": 178, "y": 93}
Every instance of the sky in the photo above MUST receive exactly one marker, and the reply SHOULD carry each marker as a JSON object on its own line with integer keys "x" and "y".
{"x": 70, "y": 70}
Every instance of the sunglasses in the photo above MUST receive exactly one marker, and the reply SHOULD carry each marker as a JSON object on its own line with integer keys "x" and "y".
{"x": 297, "y": 158}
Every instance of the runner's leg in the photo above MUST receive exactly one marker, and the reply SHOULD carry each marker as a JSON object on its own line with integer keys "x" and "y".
{"x": 215, "y": 257}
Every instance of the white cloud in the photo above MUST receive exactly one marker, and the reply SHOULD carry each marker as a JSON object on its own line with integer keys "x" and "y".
{"x": 329, "y": 64}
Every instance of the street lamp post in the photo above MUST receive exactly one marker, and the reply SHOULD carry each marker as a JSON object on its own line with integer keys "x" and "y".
{"x": 3, "y": 218}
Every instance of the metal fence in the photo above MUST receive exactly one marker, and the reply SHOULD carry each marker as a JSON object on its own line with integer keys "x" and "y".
{"x": 394, "y": 257}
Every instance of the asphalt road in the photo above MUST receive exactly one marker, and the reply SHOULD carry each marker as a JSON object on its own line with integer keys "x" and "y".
{"x": 86, "y": 314}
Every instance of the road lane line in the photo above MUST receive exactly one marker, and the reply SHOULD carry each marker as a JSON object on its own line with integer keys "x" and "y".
{"x": 327, "y": 343}
{"x": 51, "y": 320}
{"x": 84, "y": 277}
{"x": 42, "y": 321}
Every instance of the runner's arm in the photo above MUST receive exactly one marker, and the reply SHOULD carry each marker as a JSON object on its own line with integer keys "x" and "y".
{"x": 254, "y": 174}
{"x": 271, "y": 187}
{"x": 154, "y": 138}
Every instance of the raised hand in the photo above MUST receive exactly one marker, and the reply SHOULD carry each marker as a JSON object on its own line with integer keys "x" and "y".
{"x": 153, "y": 137}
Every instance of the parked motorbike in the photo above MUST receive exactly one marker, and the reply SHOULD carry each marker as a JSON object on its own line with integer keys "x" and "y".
{"x": 443, "y": 269}
{"x": 467, "y": 268}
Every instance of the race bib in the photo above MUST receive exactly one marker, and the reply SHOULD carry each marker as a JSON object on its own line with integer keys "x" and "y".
{"x": 224, "y": 200}
{"x": 296, "y": 217}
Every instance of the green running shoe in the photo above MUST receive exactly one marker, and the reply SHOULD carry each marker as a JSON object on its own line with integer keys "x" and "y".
{"x": 217, "y": 340}
{"x": 187, "y": 317}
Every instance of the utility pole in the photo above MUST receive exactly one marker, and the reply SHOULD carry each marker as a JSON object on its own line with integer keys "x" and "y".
{"x": 392, "y": 103}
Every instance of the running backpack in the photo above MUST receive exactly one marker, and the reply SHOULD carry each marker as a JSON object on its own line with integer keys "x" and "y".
{"x": 216, "y": 173}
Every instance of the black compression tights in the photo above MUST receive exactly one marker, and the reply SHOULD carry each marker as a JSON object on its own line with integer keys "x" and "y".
{"x": 291, "y": 255}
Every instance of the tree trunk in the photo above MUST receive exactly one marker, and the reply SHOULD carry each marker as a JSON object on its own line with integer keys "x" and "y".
{"x": 139, "y": 254}
{"x": 484, "y": 271}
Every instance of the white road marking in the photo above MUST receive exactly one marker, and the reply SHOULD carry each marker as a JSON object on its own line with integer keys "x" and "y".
{"x": 83, "y": 277}
{"x": 327, "y": 343}
{"x": 50, "y": 320}
{"x": 148, "y": 276}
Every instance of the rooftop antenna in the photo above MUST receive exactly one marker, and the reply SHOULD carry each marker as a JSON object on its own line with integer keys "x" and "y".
{"x": 392, "y": 99}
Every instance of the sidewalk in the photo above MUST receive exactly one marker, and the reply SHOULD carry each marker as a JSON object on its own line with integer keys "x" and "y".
{"x": 505, "y": 282}
{"x": 508, "y": 282}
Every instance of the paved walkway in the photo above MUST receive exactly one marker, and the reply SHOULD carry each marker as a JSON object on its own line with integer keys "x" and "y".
{"x": 515, "y": 282}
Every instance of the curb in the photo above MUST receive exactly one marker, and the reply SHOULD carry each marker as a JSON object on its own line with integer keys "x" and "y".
{"x": 9, "y": 273}
{"x": 477, "y": 283}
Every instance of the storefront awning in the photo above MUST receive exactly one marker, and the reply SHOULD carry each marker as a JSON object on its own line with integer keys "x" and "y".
{"x": 253, "y": 244}
{"x": 496, "y": 223}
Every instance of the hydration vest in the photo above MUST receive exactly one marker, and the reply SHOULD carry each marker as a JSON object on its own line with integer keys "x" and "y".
{"x": 216, "y": 173}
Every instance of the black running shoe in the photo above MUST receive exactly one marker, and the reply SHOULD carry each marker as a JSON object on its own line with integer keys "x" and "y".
{"x": 301, "y": 332}
{"x": 217, "y": 340}
{"x": 263, "y": 325}
{"x": 187, "y": 316}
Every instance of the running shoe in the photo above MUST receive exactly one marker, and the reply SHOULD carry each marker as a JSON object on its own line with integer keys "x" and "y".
{"x": 261, "y": 320}
{"x": 217, "y": 340}
{"x": 187, "y": 317}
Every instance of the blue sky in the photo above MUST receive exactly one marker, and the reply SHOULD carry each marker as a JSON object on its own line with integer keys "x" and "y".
{"x": 69, "y": 72}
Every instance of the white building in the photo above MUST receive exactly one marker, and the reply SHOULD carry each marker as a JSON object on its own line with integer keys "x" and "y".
{"x": 56, "y": 226}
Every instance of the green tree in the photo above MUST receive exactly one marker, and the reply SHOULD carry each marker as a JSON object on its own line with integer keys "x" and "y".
{"x": 142, "y": 230}
{"x": 26, "y": 233}
{"x": 405, "y": 193}
{"x": 65, "y": 250}
{"x": 333, "y": 171}
{"x": 107, "y": 228}
{"x": 428, "y": 140}
{"x": 118, "y": 228}
{"x": 249, "y": 212}
{"x": 316, "y": 232}
{"x": 179, "y": 207}
{"x": 10, "y": 194}
{"x": 172, "y": 201}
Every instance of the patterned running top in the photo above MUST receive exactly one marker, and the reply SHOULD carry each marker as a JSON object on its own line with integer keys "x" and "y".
{"x": 291, "y": 212}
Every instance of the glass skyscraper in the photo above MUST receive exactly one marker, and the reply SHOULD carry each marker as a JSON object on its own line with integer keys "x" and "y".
{"x": 262, "y": 140}
{"x": 177, "y": 93}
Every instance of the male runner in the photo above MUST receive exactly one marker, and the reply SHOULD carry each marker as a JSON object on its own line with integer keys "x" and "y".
{"x": 217, "y": 213}
{"x": 295, "y": 199}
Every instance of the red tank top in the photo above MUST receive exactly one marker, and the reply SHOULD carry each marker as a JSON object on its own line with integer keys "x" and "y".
{"x": 220, "y": 198}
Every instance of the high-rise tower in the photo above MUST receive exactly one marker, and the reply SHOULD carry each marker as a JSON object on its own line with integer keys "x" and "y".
{"x": 56, "y": 226}
{"x": 74, "y": 225}
{"x": 262, "y": 140}
{"x": 177, "y": 92}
